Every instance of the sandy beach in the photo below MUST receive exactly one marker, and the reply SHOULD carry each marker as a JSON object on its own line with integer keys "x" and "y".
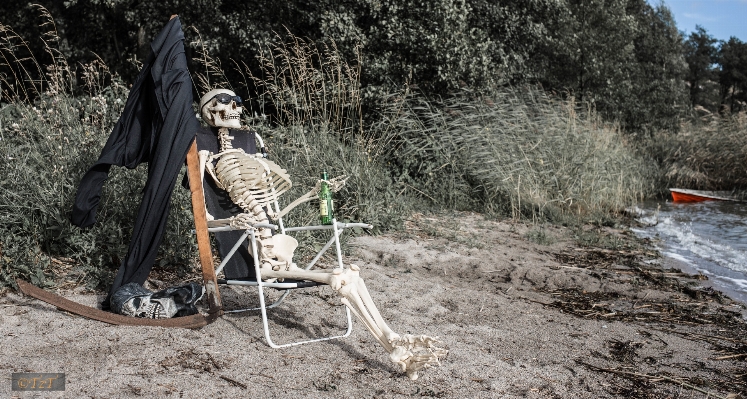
{"x": 524, "y": 313}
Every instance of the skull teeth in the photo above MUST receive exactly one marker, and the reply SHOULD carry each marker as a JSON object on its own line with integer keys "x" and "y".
{"x": 230, "y": 116}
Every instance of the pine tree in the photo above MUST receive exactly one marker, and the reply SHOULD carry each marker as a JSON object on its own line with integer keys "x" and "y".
{"x": 732, "y": 57}
{"x": 701, "y": 54}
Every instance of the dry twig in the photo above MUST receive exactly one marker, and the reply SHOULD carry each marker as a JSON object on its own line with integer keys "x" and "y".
{"x": 233, "y": 382}
{"x": 655, "y": 378}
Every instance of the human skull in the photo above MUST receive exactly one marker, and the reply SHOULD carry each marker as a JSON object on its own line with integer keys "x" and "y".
{"x": 149, "y": 307}
{"x": 221, "y": 108}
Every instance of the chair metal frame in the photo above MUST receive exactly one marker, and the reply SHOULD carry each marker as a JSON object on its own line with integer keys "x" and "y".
{"x": 336, "y": 227}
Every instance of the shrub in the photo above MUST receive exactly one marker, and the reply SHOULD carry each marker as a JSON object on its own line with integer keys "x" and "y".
{"x": 48, "y": 140}
{"x": 47, "y": 147}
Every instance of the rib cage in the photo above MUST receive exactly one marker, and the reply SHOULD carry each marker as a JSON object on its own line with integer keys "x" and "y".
{"x": 251, "y": 181}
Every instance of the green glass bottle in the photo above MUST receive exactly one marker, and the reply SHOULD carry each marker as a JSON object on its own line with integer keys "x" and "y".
{"x": 326, "y": 205}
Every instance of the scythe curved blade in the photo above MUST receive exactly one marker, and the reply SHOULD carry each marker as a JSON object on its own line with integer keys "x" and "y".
{"x": 194, "y": 321}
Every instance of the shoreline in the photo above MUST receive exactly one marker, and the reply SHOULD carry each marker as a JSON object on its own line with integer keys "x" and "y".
{"x": 700, "y": 238}
{"x": 669, "y": 262}
{"x": 525, "y": 312}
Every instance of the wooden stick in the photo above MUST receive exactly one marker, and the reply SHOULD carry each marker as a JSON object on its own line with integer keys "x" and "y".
{"x": 730, "y": 356}
{"x": 655, "y": 377}
{"x": 234, "y": 382}
{"x": 701, "y": 335}
{"x": 201, "y": 229}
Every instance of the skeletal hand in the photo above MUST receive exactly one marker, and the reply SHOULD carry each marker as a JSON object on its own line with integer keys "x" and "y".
{"x": 335, "y": 184}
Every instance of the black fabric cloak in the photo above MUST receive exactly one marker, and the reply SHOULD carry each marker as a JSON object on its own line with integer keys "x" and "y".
{"x": 217, "y": 201}
{"x": 157, "y": 126}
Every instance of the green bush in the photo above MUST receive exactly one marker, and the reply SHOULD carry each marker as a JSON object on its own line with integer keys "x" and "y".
{"x": 48, "y": 139}
{"x": 46, "y": 148}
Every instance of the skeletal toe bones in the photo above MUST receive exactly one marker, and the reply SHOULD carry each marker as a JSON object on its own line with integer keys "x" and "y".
{"x": 416, "y": 352}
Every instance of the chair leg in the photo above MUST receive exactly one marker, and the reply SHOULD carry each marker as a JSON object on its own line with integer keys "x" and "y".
{"x": 233, "y": 250}
{"x": 263, "y": 308}
{"x": 337, "y": 242}
{"x": 282, "y": 297}
{"x": 274, "y": 304}
{"x": 286, "y": 293}
{"x": 321, "y": 252}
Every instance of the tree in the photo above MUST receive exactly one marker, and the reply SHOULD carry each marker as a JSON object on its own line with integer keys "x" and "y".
{"x": 701, "y": 55}
{"x": 659, "y": 96}
{"x": 590, "y": 53}
{"x": 623, "y": 56}
{"x": 732, "y": 57}
{"x": 439, "y": 45}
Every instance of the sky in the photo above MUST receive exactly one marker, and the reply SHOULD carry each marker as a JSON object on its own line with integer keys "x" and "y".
{"x": 721, "y": 18}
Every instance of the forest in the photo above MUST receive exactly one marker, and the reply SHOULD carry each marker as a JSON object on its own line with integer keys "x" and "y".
{"x": 626, "y": 57}
{"x": 561, "y": 111}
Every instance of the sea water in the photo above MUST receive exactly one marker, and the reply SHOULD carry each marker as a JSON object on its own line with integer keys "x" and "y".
{"x": 707, "y": 237}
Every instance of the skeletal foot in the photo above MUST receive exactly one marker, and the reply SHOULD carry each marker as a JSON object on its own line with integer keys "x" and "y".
{"x": 416, "y": 352}
{"x": 411, "y": 352}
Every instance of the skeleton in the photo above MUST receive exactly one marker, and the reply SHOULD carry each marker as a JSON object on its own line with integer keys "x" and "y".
{"x": 254, "y": 183}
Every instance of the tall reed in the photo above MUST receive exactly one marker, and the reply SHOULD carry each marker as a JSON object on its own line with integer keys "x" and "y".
{"x": 709, "y": 153}
{"x": 514, "y": 151}
{"x": 315, "y": 123}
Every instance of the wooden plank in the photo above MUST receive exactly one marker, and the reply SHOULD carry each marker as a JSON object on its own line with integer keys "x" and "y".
{"x": 201, "y": 229}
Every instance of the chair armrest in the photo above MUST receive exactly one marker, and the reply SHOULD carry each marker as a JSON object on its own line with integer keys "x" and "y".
{"x": 329, "y": 227}
{"x": 215, "y": 226}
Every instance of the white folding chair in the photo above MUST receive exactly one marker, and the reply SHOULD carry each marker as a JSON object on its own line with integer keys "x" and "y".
{"x": 222, "y": 225}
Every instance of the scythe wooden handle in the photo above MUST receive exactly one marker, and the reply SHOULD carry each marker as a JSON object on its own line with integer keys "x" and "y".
{"x": 201, "y": 230}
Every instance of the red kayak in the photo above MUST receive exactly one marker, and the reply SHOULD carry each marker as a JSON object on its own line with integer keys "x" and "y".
{"x": 683, "y": 195}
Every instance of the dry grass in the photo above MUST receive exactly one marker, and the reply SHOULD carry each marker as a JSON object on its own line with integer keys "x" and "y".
{"x": 312, "y": 86}
{"x": 708, "y": 154}
{"x": 515, "y": 151}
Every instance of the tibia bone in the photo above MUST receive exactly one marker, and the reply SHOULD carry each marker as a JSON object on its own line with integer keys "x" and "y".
{"x": 411, "y": 353}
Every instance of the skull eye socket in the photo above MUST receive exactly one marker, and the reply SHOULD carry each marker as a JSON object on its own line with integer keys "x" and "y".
{"x": 225, "y": 98}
